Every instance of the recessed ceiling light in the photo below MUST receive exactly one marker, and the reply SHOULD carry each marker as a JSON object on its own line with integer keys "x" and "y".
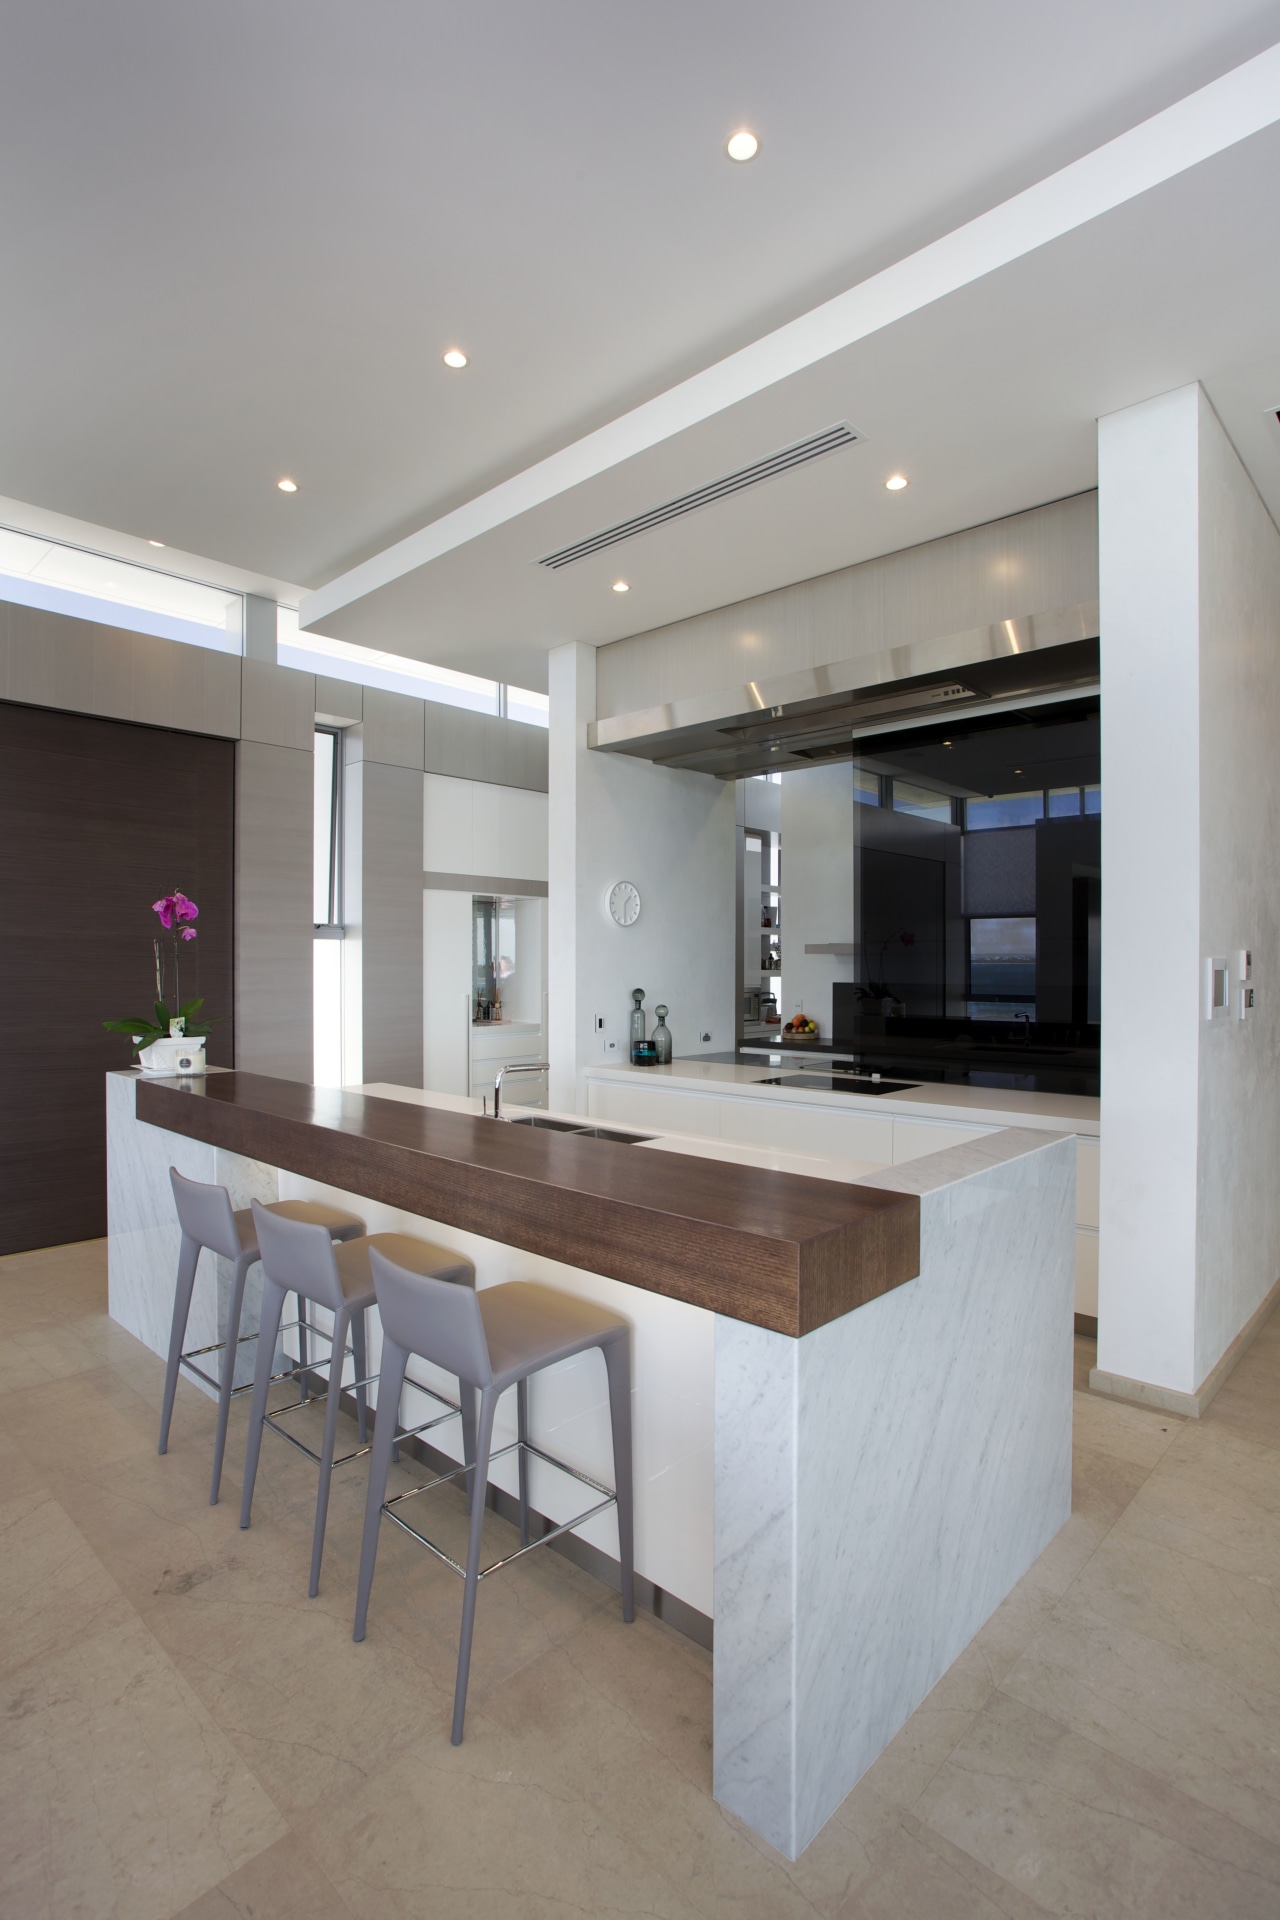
{"x": 455, "y": 357}
{"x": 742, "y": 145}
{"x": 155, "y": 543}
{"x": 622, "y": 586}
{"x": 287, "y": 486}
{"x": 896, "y": 482}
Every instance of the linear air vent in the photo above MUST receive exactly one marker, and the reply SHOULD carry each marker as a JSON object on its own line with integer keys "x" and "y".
{"x": 799, "y": 455}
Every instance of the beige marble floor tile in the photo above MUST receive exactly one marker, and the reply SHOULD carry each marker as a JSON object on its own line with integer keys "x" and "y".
{"x": 464, "y": 1833}
{"x": 1249, "y": 1404}
{"x": 1215, "y": 1496}
{"x": 569, "y": 1706}
{"x": 18, "y": 1473}
{"x": 148, "y": 1518}
{"x": 1087, "y": 1833}
{"x": 1130, "y": 1433}
{"x": 280, "y": 1884}
{"x": 53, "y": 1283}
{"x": 120, "y": 1795}
{"x": 54, "y": 1590}
{"x": 1214, "y": 1736}
{"x": 311, "y": 1712}
{"x": 1224, "y": 1616}
{"x": 61, "y": 1349}
{"x": 50, "y": 1423}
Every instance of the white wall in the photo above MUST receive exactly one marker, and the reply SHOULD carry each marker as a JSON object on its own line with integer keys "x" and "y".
{"x": 1190, "y": 593}
{"x": 673, "y": 834}
{"x": 817, "y": 887}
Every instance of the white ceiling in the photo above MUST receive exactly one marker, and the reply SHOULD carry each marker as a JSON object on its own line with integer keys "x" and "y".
{"x": 237, "y": 239}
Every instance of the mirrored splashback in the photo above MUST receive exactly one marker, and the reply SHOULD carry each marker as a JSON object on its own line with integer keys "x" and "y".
{"x": 933, "y": 904}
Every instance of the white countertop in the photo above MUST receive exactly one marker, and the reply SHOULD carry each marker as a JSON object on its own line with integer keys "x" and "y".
{"x": 775, "y": 1159}
{"x": 986, "y": 1106}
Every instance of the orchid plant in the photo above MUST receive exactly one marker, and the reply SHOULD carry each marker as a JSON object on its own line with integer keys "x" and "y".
{"x": 176, "y": 913}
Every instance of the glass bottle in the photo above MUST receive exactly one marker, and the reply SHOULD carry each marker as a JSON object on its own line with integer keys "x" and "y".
{"x": 637, "y": 1023}
{"x": 662, "y": 1038}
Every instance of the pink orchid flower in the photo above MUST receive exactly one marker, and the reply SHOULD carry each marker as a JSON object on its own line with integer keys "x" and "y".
{"x": 175, "y": 908}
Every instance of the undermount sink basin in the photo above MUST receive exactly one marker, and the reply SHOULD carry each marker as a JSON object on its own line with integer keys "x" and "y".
{"x": 584, "y": 1132}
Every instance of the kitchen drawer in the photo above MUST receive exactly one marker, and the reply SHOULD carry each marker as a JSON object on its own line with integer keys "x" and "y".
{"x": 799, "y": 1129}
{"x": 1086, "y": 1272}
{"x": 912, "y": 1139}
{"x": 1087, "y": 1161}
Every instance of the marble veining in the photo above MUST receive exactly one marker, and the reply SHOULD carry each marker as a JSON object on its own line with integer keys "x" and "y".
{"x": 882, "y": 1483}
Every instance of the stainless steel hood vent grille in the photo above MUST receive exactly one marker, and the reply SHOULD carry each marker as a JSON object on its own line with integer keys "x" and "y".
{"x": 799, "y": 455}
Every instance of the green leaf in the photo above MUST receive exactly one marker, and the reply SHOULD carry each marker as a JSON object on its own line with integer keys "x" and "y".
{"x": 163, "y": 1016}
{"x": 131, "y": 1026}
{"x": 190, "y": 1006}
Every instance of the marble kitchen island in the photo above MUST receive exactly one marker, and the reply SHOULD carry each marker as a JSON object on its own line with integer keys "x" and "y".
{"x": 851, "y": 1382}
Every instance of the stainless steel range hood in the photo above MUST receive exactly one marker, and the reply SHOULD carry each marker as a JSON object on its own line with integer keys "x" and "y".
{"x": 820, "y": 713}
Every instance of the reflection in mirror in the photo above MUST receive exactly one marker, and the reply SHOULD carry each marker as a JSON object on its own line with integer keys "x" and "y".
{"x": 943, "y": 900}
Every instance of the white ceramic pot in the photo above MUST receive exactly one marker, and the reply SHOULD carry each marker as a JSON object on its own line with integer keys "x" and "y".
{"x": 180, "y": 1056}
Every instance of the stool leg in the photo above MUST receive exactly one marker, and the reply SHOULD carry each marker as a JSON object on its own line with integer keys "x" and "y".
{"x": 390, "y": 1385}
{"x": 304, "y": 1391}
{"x": 484, "y": 1440}
{"x": 227, "y": 1384}
{"x": 522, "y": 1435}
{"x": 268, "y": 1334}
{"x": 617, "y": 1359}
{"x": 341, "y": 1321}
{"x": 188, "y": 1260}
{"x": 467, "y": 1402}
{"x": 360, "y": 1350}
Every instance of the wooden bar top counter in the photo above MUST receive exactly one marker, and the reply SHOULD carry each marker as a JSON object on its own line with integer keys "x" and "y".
{"x": 779, "y": 1250}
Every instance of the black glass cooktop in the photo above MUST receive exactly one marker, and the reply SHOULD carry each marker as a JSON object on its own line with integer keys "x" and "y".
{"x": 840, "y": 1082}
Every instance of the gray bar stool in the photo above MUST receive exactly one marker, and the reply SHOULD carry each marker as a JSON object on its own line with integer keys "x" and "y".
{"x": 491, "y": 1340}
{"x": 298, "y": 1257}
{"x": 207, "y": 1219}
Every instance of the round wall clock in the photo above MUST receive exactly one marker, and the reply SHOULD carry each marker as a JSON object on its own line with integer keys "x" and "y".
{"x": 624, "y": 903}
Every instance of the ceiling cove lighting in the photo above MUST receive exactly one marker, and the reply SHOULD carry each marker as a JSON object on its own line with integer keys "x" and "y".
{"x": 455, "y": 357}
{"x": 622, "y": 586}
{"x": 896, "y": 482}
{"x": 287, "y": 486}
{"x": 742, "y": 145}
{"x": 155, "y": 543}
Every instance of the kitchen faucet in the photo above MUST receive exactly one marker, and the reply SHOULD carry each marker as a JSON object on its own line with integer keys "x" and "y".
{"x": 519, "y": 1066}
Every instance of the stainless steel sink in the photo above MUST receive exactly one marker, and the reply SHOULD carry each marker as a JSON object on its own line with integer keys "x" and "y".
{"x": 584, "y": 1132}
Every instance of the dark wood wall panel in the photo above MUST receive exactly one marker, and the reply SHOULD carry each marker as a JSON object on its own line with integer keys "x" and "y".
{"x": 97, "y": 819}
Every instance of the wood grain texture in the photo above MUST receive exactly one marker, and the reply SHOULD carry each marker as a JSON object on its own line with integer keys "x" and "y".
{"x": 97, "y": 819}
{"x": 778, "y": 1250}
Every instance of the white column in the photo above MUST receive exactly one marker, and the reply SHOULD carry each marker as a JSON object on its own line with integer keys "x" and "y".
{"x": 612, "y": 817}
{"x": 1189, "y": 566}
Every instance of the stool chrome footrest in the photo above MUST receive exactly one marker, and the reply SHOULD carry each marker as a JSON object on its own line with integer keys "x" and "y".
{"x": 517, "y": 1447}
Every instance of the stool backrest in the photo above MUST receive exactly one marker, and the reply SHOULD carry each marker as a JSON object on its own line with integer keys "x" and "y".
{"x": 298, "y": 1257}
{"x": 205, "y": 1214}
{"x": 436, "y": 1319}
